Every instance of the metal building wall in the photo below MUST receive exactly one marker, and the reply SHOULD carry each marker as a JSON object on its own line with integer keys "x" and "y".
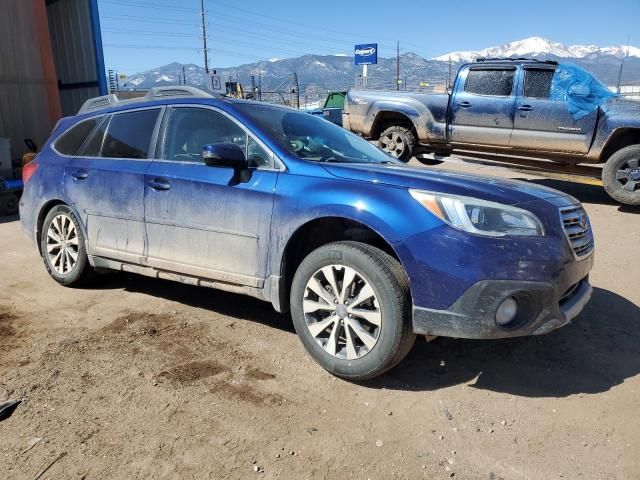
{"x": 77, "y": 50}
{"x": 28, "y": 89}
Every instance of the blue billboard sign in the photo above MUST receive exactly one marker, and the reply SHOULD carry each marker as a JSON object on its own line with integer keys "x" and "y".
{"x": 366, "y": 54}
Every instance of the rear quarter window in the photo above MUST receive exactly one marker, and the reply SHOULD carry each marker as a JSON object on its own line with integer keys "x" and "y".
{"x": 497, "y": 83}
{"x": 70, "y": 142}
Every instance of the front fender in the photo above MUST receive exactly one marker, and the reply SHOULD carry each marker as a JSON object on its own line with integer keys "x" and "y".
{"x": 390, "y": 211}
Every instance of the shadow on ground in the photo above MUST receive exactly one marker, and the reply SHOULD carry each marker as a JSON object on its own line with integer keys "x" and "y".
{"x": 583, "y": 192}
{"x": 9, "y": 219}
{"x": 229, "y": 304}
{"x": 599, "y": 350}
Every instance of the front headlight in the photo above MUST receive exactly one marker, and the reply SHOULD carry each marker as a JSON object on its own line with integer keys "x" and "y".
{"x": 479, "y": 216}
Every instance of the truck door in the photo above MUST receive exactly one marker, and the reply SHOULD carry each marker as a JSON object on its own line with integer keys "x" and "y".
{"x": 482, "y": 107}
{"x": 546, "y": 125}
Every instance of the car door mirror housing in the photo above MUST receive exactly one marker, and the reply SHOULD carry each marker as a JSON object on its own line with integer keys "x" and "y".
{"x": 224, "y": 155}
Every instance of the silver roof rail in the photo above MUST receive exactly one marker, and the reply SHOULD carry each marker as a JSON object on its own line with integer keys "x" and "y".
{"x": 155, "y": 93}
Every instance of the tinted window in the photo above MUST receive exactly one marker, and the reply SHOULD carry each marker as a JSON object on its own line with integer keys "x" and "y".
{"x": 490, "y": 82}
{"x": 94, "y": 145}
{"x": 129, "y": 134}
{"x": 71, "y": 141}
{"x": 311, "y": 138}
{"x": 537, "y": 83}
{"x": 190, "y": 129}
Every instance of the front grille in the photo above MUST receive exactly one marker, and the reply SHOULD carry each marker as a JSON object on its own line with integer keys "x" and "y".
{"x": 577, "y": 228}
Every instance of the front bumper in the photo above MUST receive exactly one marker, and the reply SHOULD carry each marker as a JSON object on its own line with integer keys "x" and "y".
{"x": 473, "y": 314}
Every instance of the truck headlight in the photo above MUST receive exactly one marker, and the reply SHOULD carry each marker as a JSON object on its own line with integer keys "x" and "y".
{"x": 479, "y": 216}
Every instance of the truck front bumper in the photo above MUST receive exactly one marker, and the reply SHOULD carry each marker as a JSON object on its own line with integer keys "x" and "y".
{"x": 473, "y": 315}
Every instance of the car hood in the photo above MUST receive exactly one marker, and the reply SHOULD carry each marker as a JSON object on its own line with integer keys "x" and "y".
{"x": 510, "y": 192}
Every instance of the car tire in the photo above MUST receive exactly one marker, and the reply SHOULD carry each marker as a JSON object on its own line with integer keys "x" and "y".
{"x": 379, "y": 332}
{"x": 398, "y": 142}
{"x": 8, "y": 204}
{"x": 621, "y": 175}
{"x": 61, "y": 239}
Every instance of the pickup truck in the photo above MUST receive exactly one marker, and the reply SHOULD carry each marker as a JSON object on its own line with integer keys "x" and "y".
{"x": 505, "y": 108}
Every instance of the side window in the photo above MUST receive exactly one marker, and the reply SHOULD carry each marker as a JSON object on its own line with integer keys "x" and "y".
{"x": 70, "y": 142}
{"x": 93, "y": 147}
{"x": 537, "y": 83}
{"x": 189, "y": 129}
{"x": 258, "y": 157}
{"x": 129, "y": 134}
{"x": 490, "y": 82}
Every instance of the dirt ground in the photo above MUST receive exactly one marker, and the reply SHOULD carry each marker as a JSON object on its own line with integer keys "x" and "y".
{"x": 140, "y": 378}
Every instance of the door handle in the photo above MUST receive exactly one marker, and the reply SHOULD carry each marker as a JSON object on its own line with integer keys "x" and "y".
{"x": 464, "y": 104}
{"x": 159, "y": 184}
{"x": 525, "y": 108}
{"x": 80, "y": 175}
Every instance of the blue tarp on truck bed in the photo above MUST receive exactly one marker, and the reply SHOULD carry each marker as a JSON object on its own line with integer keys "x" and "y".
{"x": 581, "y": 90}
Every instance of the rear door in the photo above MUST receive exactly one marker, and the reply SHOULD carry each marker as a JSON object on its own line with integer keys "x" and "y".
{"x": 105, "y": 182}
{"x": 198, "y": 221}
{"x": 544, "y": 124}
{"x": 482, "y": 106}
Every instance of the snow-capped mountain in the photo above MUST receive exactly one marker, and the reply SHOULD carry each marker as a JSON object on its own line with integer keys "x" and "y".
{"x": 537, "y": 46}
{"x": 319, "y": 73}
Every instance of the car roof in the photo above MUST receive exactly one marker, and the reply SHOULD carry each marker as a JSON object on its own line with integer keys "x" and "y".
{"x": 158, "y": 96}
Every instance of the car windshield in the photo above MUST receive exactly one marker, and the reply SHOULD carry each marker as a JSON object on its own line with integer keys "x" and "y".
{"x": 311, "y": 138}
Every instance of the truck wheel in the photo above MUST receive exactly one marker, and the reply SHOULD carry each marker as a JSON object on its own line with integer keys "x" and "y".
{"x": 398, "y": 142}
{"x": 621, "y": 175}
{"x": 63, "y": 248}
{"x": 351, "y": 309}
{"x": 8, "y": 204}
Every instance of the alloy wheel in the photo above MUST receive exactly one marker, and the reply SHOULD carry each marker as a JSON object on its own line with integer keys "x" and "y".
{"x": 62, "y": 244}
{"x": 393, "y": 144}
{"x": 342, "y": 312}
{"x": 629, "y": 175}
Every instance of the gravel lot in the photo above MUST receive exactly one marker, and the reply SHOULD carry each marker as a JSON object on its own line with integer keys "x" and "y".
{"x": 141, "y": 378}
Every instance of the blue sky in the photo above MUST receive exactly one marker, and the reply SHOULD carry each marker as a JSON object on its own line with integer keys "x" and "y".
{"x": 139, "y": 35}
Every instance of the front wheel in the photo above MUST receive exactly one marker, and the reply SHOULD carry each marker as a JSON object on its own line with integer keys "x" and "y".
{"x": 351, "y": 309}
{"x": 63, "y": 249}
{"x": 398, "y": 142}
{"x": 621, "y": 175}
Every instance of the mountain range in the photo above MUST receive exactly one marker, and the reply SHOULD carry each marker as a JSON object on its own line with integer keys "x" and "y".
{"x": 320, "y": 73}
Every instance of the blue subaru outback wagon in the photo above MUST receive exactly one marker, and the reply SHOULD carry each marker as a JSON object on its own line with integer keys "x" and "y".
{"x": 270, "y": 202}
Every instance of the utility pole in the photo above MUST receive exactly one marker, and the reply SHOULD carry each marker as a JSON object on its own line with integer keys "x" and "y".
{"x": 297, "y": 88}
{"x": 622, "y": 64}
{"x": 204, "y": 38}
{"x": 398, "y": 65}
{"x": 449, "y": 75}
{"x": 259, "y": 85}
{"x": 405, "y": 83}
{"x": 184, "y": 76}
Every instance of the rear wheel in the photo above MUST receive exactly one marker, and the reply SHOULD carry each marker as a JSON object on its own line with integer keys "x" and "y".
{"x": 8, "y": 204}
{"x": 351, "y": 309}
{"x": 62, "y": 245}
{"x": 621, "y": 175}
{"x": 398, "y": 142}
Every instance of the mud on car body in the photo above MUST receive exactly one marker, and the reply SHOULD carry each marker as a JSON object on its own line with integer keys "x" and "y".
{"x": 261, "y": 200}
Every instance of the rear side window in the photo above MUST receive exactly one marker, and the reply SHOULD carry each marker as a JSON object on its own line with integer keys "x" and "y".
{"x": 129, "y": 134}
{"x": 71, "y": 141}
{"x": 490, "y": 82}
{"x": 537, "y": 83}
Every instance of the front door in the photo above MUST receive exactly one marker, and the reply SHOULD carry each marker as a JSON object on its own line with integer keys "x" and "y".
{"x": 198, "y": 221}
{"x": 106, "y": 184}
{"x": 482, "y": 106}
{"x": 544, "y": 124}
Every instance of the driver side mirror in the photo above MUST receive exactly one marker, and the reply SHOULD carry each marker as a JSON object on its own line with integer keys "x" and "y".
{"x": 226, "y": 155}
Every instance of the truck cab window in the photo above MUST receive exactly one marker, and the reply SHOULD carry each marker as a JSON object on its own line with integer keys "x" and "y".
{"x": 490, "y": 82}
{"x": 537, "y": 83}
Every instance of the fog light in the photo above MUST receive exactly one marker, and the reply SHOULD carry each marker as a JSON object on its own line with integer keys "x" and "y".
{"x": 507, "y": 311}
